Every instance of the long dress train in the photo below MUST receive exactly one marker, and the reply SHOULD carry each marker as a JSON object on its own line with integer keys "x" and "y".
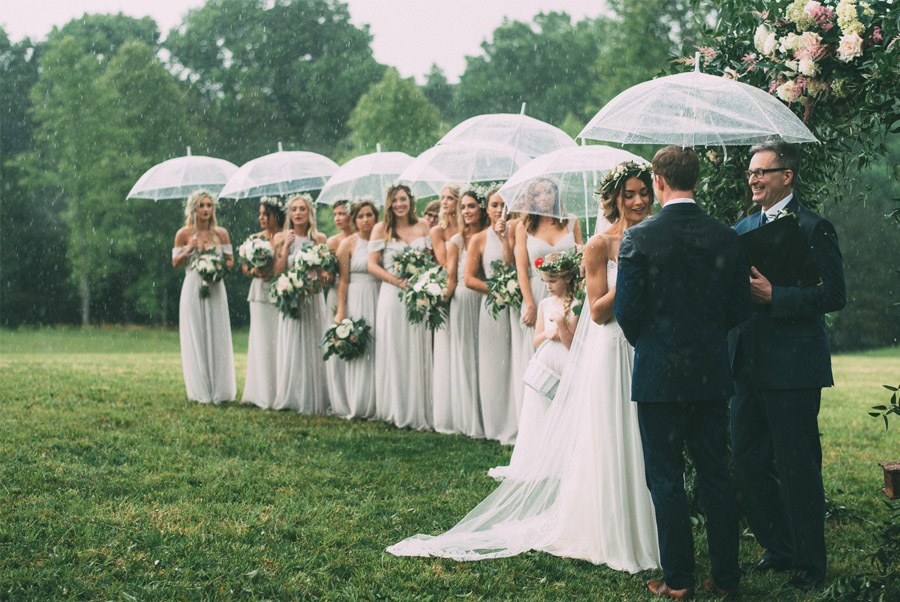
{"x": 403, "y": 360}
{"x": 204, "y": 330}
{"x": 585, "y": 497}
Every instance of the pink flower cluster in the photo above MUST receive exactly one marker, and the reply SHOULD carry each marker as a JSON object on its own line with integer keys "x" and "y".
{"x": 823, "y": 15}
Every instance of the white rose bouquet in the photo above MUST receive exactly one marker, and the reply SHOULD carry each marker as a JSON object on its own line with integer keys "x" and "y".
{"x": 210, "y": 266}
{"x": 256, "y": 252}
{"x": 411, "y": 262}
{"x": 286, "y": 289}
{"x": 503, "y": 289}
{"x": 348, "y": 339}
{"x": 424, "y": 298}
{"x": 302, "y": 279}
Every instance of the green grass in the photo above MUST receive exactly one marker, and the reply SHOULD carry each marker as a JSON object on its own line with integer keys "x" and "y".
{"x": 113, "y": 486}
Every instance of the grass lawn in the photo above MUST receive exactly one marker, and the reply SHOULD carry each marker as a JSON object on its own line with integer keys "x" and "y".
{"x": 113, "y": 486}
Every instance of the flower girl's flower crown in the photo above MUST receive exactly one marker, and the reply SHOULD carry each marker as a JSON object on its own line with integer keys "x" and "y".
{"x": 619, "y": 174}
{"x": 565, "y": 263}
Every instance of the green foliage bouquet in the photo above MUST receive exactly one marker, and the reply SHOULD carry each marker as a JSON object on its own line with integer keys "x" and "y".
{"x": 256, "y": 252}
{"x": 424, "y": 298}
{"x": 348, "y": 339}
{"x": 303, "y": 278}
{"x": 210, "y": 266}
{"x": 411, "y": 262}
{"x": 503, "y": 289}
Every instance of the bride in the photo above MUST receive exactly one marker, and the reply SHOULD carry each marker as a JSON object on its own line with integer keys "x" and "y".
{"x": 584, "y": 496}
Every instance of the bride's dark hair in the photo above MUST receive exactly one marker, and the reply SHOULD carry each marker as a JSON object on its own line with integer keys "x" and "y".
{"x": 610, "y": 193}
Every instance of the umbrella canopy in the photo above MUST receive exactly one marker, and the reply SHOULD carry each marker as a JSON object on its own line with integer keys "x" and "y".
{"x": 279, "y": 173}
{"x": 178, "y": 178}
{"x": 574, "y": 172}
{"x": 461, "y": 163}
{"x": 695, "y": 109}
{"x": 366, "y": 175}
{"x": 529, "y": 135}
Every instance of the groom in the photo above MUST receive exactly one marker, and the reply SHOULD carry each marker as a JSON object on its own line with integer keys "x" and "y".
{"x": 682, "y": 284}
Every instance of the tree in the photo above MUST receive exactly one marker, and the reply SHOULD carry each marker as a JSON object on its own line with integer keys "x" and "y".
{"x": 27, "y": 278}
{"x": 395, "y": 113}
{"x": 547, "y": 65}
{"x": 439, "y": 92}
{"x": 262, "y": 69}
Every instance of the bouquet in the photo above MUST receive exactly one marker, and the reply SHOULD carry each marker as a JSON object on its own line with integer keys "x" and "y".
{"x": 412, "y": 262}
{"x": 302, "y": 279}
{"x": 348, "y": 339}
{"x": 256, "y": 252}
{"x": 210, "y": 266}
{"x": 503, "y": 289}
{"x": 424, "y": 298}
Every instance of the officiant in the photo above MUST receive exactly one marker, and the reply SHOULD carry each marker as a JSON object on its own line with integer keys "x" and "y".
{"x": 781, "y": 360}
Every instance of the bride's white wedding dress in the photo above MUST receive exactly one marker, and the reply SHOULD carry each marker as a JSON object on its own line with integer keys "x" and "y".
{"x": 585, "y": 495}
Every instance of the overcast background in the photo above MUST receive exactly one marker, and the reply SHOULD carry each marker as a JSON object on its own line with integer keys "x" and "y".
{"x": 408, "y": 34}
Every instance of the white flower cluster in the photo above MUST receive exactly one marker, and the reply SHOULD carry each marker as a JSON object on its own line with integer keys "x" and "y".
{"x": 256, "y": 251}
{"x": 424, "y": 300}
{"x": 210, "y": 266}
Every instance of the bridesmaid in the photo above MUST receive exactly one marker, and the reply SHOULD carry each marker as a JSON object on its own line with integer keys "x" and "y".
{"x": 204, "y": 327}
{"x": 259, "y": 386}
{"x": 463, "y": 323}
{"x": 441, "y": 234}
{"x": 300, "y": 370}
{"x": 402, "y": 350}
{"x": 357, "y": 298}
{"x": 498, "y": 408}
{"x": 538, "y": 235}
{"x": 334, "y": 375}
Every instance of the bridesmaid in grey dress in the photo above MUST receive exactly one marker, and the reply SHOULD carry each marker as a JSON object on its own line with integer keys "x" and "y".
{"x": 463, "y": 321}
{"x": 334, "y": 376}
{"x": 300, "y": 370}
{"x": 498, "y": 408}
{"x": 402, "y": 350}
{"x": 204, "y": 327}
{"x": 357, "y": 297}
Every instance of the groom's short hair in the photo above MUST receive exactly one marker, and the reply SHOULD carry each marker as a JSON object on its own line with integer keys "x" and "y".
{"x": 678, "y": 166}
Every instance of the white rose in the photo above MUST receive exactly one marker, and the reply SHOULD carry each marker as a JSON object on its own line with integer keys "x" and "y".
{"x": 419, "y": 285}
{"x": 759, "y": 38}
{"x": 811, "y": 39}
{"x": 792, "y": 65}
{"x": 512, "y": 286}
{"x": 343, "y": 331}
{"x": 808, "y": 67}
{"x": 788, "y": 43}
{"x": 769, "y": 44}
{"x": 850, "y": 47}
{"x": 434, "y": 289}
{"x": 282, "y": 283}
{"x": 787, "y": 91}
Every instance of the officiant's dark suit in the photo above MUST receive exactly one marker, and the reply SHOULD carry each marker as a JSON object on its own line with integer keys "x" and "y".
{"x": 681, "y": 286}
{"x": 781, "y": 360}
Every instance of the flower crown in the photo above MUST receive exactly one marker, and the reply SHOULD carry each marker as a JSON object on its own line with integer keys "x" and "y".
{"x": 481, "y": 191}
{"x": 275, "y": 202}
{"x": 566, "y": 262}
{"x": 302, "y": 195}
{"x": 620, "y": 174}
{"x": 360, "y": 200}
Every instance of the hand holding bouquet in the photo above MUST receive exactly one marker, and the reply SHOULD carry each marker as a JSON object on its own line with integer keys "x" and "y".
{"x": 424, "y": 299}
{"x": 347, "y": 339}
{"x": 503, "y": 289}
{"x": 210, "y": 266}
{"x": 256, "y": 252}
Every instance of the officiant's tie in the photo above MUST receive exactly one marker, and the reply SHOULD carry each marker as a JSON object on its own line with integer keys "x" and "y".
{"x": 764, "y": 219}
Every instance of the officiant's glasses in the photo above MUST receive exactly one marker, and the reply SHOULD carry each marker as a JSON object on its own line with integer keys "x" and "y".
{"x": 758, "y": 173}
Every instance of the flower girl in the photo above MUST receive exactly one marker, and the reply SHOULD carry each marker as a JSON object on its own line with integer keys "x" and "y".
{"x": 553, "y": 333}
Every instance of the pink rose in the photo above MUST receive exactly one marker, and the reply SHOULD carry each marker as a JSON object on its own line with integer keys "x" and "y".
{"x": 850, "y": 47}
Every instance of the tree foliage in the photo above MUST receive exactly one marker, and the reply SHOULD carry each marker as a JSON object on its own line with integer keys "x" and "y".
{"x": 395, "y": 113}
{"x": 264, "y": 67}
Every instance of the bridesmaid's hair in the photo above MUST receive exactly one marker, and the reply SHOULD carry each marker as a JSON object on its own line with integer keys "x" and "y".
{"x": 443, "y": 222}
{"x": 190, "y": 212}
{"x": 274, "y": 213}
{"x": 533, "y": 219}
{"x": 356, "y": 207}
{"x": 482, "y": 204}
{"x": 311, "y": 209}
{"x": 389, "y": 219}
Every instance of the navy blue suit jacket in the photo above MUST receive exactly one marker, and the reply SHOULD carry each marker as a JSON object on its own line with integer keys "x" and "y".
{"x": 784, "y": 345}
{"x": 682, "y": 284}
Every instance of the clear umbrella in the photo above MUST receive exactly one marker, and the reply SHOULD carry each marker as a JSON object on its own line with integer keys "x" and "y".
{"x": 178, "y": 178}
{"x": 366, "y": 175}
{"x": 461, "y": 163}
{"x": 529, "y": 135}
{"x": 572, "y": 174}
{"x": 695, "y": 109}
{"x": 280, "y": 173}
